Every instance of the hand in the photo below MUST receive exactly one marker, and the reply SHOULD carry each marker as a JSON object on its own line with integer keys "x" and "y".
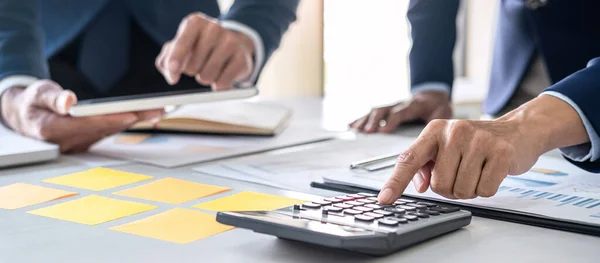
{"x": 460, "y": 159}
{"x": 40, "y": 112}
{"x": 203, "y": 49}
{"x": 425, "y": 106}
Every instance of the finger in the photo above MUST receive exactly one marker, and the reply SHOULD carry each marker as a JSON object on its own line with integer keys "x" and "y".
{"x": 150, "y": 114}
{"x": 445, "y": 169}
{"x": 375, "y": 118}
{"x": 203, "y": 48}
{"x": 409, "y": 163}
{"x": 359, "y": 124}
{"x": 423, "y": 177}
{"x": 494, "y": 172}
{"x": 49, "y": 95}
{"x": 226, "y": 48}
{"x": 55, "y": 128}
{"x": 469, "y": 172}
{"x": 235, "y": 70}
{"x": 399, "y": 114}
{"x": 159, "y": 62}
{"x": 187, "y": 35}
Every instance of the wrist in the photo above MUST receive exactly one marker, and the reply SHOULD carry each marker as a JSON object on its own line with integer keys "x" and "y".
{"x": 548, "y": 123}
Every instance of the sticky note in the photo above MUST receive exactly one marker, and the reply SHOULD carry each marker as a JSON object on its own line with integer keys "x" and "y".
{"x": 21, "y": 195}
{"x": 248, "y": 201}
{"x": 172, "y": 191}
{"x": 131, "y": 139}
{"x": 177, "y": 225}
{"x": 98, "y": 179}
{"x": 92, "y": 210}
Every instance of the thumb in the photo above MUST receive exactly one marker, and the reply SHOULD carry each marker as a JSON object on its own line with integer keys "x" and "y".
{"x": 50, "y": 95}
{"x": 409, "y": 163}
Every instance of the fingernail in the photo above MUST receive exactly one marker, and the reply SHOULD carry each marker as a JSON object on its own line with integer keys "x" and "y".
{"x": 369, "y": 127}
{"x": 386, "y": 196}
{"x": 61, "y": 102}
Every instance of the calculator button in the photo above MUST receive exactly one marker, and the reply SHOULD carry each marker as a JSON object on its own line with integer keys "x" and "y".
{"x": 311, "y": 205}
{"x": 387, "y": 222}
{"x": 417, "y": 206}
{"x": 371, "y": 214}
{"x": 322, "y": 202}
{"x": 362, "y": 208}
{"x": 334, "y": 200}
{"x": 419, "y": 214}
{"x": 407, "y": 208}
{"x": 352, "y": 212}
{"x": 342, "y": 205}
{"x": 364, "y": 218}
{"x": 383, "y": 212}
{"x": 373, "y": 198}
{"x": 333, "y": 209}
{"x": 432, "y": 213}
{"x": 410, "y": 217}
{"x": 367, "y": 194}
{"x": 366, "y": 201}
{"x": 395, "y": 210}
{"x": 406, "y": 200}
{"x": 400, "y": 220}
{"x": 354, "y": 203}
{"x": 427, "y": 204}
{"x": 399, "y": 202}
{"x": 356, "y": 196}
{"x": 444, "y": 209}
{"x": 345, "y": 198}
{"x": 374, "y": 206}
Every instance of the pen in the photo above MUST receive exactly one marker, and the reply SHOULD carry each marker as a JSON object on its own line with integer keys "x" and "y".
{"x": 373, "y": 160}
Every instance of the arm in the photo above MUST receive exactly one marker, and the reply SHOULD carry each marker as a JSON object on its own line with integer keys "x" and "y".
{"x": 581, "y": 91}
{"x": 267, "y": 22}
{"x": 433, "y": 32}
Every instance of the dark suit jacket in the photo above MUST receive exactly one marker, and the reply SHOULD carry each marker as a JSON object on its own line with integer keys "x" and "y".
{"x": 564, "y": 32}
{"x": 31, "y": 31}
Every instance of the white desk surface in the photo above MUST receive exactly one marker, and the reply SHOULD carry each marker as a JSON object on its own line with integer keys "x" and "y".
{"x": 31, "y": 238}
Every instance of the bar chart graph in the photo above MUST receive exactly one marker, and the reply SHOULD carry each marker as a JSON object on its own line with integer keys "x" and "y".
{"x": 556, "y": 199}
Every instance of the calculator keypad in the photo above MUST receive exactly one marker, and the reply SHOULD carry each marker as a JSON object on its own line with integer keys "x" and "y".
{"x": 363, "y": 208}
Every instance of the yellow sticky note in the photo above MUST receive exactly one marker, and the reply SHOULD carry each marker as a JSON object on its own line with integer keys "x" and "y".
{"x": 176, "y": 225}
{"x": 92, "y": 210}
{"x": 98, "y": 179}
{"x": 248, "y": 201}
{"x": 20, "y": 195}
{"x": 172, "y": 191}
{"x": 131, "y": 139}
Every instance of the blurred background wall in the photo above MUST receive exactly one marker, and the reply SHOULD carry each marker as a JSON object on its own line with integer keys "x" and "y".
{"x": 356, "y": 52}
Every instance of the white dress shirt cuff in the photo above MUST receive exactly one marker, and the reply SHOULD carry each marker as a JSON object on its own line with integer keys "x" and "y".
{"x": 430, "y": 86}
{"x": 584, "y": 152}
{"x": 259, "y": 49}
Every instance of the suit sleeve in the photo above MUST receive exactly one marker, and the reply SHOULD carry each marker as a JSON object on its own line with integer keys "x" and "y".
{"x": 581, "y": 90}
{"x": 433, "y": 33}
{"x": 21, "y": 39}
{"x": 270, "y": 19}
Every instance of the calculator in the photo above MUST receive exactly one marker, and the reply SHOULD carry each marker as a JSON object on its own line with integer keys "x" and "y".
{"x": 354, "y": 222}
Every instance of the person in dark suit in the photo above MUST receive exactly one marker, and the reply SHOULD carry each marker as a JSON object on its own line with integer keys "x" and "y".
{"x": 55, "y": 52}
{"x": 543, "y": 95}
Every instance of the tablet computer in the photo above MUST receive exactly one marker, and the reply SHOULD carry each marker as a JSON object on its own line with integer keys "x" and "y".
{"x": 157, "y": 100}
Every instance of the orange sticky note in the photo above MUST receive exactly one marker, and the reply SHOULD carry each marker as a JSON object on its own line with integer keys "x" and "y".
{"x": 249, "y": 201}
{"x": 172, "y": 191}
{"x": 20, "y": 195}
{"x": 177, "y": 225}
